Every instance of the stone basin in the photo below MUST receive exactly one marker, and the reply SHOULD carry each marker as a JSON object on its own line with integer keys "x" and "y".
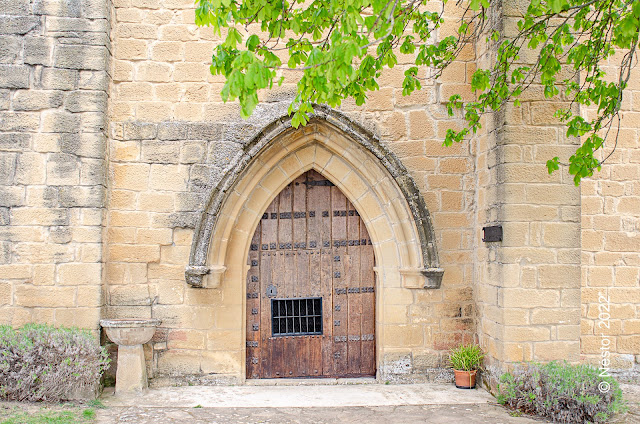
{"x": 130, "y": 332}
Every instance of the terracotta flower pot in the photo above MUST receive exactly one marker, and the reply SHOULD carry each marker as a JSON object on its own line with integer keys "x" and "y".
{"x": 465, "y": 379}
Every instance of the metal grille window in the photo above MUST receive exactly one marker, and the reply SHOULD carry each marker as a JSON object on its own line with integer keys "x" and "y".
{"x": 296, "y": 317}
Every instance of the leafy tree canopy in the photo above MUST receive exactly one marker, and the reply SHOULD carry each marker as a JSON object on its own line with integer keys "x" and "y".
{"x": 340, "y": 48}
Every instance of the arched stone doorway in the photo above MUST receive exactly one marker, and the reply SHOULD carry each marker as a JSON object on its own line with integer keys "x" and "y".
{"x": 369, "y": 176}
{"x": 310, "y": 286}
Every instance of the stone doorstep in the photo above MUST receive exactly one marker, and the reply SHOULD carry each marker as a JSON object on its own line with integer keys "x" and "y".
{"x": 290, "y": 396}
{"x": 310, "y": 381}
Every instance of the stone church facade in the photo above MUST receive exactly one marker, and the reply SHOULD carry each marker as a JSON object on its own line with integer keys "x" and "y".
{"x": 129, "y": 190}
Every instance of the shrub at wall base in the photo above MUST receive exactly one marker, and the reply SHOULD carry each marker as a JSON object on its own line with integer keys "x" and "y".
{"x": 43, "y": 363}
{"x": 562, "y": 392}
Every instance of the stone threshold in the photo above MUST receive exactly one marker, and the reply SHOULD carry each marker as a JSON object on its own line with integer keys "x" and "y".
{"x": 299, "y": 396}
{"x": 310, "y": 381}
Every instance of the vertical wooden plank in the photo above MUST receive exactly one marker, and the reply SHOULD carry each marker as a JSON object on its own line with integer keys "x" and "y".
{"x": 285, "y": 229}
{"x": 309, "y": 271}
{"x": 315, "y": 343}
{"x": 318, "y": 233}
{"x": 367, "y": 289}
{"x": 322, "y": 201}
{"x": 315, "y": 207}
{"x": 253, "y": 307}
{"x": 289, "y": 274}
{"x": 340, "y": 288}
{"x": 325, "y": 260}
{"x": 265, "y": 314}
{"x": 302, "y": 286}
{"x": 354, "y": 296}
{"x": 314, "y": 243}
{"x": 303, "y": 352}
{"x": 289, "y": 361}
{"x": 277, "y": 360}
{"x": 315, "y": 354}
{"x": 323, "y": 194}
{"x": 268, "y": 240}
{"x": 300, "y": 213}
{"x": 284, "y": 276}
{"x": 277, "y": 276}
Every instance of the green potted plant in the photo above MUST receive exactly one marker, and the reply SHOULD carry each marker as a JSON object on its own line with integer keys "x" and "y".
{"x": 466, "y": 360}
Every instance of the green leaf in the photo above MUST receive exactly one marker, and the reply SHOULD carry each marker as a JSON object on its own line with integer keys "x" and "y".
{"x": 553, "y": 164}
{"x": 480, "y": 80}
{"x": 233, "y": 38}
{"x": 252, "y": 42}
{"x": 474, "y": 5}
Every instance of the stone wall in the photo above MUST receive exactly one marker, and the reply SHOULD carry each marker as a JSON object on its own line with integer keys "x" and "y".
{"x": 161, "y": 173}
{"x": 527, "y": 289}
{"x": 155, "y": 200}
{"x": 171, "y": 137}
{"x": 611, "y": 244}
{"x": 528, "y": 285}
{"x": 106, "y": 162}
{"x": 54, "y": 61}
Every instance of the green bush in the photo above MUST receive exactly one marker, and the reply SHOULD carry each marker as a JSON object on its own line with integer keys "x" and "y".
{"x": 466, "y": 357}
{"x": 40, "y": 362}
{"x": 562, "y": 392}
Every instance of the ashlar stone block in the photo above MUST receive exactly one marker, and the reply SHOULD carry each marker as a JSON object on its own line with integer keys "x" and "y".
{"x": 86, "y": 101}
{"x": 14, "y": 76}
{"x": 37, "y": 51}
{"x": 10, "y": 48}
{"x": 36, "y": 100}
{"x": 81, "y": 57}
{"x": 19, "y": 25}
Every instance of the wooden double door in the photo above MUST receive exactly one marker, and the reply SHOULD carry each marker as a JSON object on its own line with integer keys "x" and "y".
{"x": 310, "y": 286}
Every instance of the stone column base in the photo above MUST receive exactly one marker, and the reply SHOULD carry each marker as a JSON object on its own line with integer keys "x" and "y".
{"x": 131, "y": 375}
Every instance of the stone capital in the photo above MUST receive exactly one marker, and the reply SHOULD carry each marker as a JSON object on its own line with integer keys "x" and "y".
{"x": 421, "y": 278}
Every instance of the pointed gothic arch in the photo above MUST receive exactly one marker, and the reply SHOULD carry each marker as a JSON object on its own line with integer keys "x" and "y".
{"x": 371, "y": 177}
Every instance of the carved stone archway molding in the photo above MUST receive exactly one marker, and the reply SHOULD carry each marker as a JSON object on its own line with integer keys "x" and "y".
{"x": 373, "y": 179}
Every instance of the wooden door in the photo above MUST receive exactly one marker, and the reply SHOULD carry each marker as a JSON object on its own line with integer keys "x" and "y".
{"x": 310, "y": 286}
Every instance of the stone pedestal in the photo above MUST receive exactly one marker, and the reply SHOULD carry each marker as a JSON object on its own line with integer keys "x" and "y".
{"x": 130, "y": 335}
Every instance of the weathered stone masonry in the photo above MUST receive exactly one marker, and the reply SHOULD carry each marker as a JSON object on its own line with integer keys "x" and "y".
{"x": 54, "y": 79}
{"x": 190, "y": 314}
{"x": 528, "y": 286}
{"x": 113, "y": 138}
